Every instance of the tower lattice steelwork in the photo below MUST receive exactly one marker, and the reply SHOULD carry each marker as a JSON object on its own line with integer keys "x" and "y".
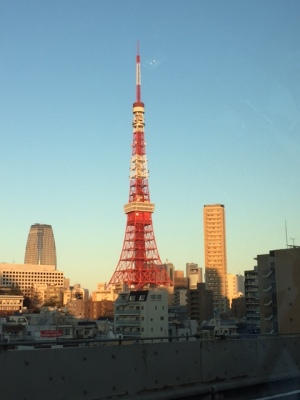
{"x": 139, "y": 265}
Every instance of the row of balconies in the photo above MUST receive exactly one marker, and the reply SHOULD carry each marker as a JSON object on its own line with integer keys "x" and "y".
{"x": 253, "y": 282}
{"x": 251, "y": 289}
{"x": 128, "y": 311}
{"x": 127, "y": 322}
{"x": 253, "y": 313}
{"x": 250, "y": 276}
{"x": 129, "y": 332}
{"x": 252, "y": 300}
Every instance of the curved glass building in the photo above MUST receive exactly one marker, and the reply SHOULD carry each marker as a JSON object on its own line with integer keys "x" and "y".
{"x": 40, "y": 248}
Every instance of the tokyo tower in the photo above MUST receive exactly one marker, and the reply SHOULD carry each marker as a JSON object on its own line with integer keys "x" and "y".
{"x": 139, "y": 265}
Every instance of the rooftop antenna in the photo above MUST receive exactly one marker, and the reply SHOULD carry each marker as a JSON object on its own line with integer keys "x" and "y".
{"x": 286, "y": 236}
{"x": 293, "y": 240}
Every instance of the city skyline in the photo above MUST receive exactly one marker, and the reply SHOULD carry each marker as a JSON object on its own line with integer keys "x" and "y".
{"x": 221, "y": 88}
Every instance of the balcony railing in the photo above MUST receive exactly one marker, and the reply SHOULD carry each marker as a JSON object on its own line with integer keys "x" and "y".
{"x": 128, "y": 312}
{"x": 127, "y": 322}
{"x": 267, "y": 272}
{"x": 268, "y": 317}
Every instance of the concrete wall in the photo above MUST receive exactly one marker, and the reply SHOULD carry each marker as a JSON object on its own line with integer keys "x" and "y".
{"x": 104, "y": 371}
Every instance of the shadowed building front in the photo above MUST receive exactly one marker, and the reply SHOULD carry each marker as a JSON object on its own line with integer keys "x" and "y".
{"x": 40, "y": 247}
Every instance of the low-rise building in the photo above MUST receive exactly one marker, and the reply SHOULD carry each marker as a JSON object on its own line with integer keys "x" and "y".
{"x": 103, "y": 309}
{"x": 102, "y": 293}
{"x": 11, "y": 304}
{"x": 142, "y": 313}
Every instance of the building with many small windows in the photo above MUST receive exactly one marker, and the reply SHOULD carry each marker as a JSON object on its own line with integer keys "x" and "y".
{"x": 27, "y": 276}
{"x": 215, "y": 254}
{"x": 142, "y": 313}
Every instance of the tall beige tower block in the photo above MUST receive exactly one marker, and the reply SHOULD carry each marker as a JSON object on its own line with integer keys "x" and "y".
{"x": 40, "y": 248}
{"x": 215, "y": 255}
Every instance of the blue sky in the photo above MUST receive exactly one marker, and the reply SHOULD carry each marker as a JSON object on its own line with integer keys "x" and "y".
{"x": 221, "y": 86}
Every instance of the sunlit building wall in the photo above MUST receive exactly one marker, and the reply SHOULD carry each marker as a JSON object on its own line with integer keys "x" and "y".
{"x": 10, "y": 304}
{"x": 215, "y": 254}
{"x": 194, "y": 274}
{"x": 27, "y": 276}
{"x": 102, "y": 293}
{"x": 235, "y": 287}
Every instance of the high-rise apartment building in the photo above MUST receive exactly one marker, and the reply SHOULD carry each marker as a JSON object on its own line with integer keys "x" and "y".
{"x": 215, "y": 254}
{"x": 279, "y": 287}
{"x": 40, "y": 248}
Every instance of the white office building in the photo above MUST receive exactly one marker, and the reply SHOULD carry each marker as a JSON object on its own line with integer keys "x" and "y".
{"x": 28, "y": 276}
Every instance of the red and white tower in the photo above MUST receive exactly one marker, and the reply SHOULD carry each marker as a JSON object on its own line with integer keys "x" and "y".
{"x": 139, "y": 265}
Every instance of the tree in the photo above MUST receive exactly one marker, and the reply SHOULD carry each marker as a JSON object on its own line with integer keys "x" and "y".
{"x": 15, "y": 290}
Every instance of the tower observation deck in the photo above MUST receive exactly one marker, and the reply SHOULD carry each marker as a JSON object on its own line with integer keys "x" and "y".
{"x": 139, "y": 265}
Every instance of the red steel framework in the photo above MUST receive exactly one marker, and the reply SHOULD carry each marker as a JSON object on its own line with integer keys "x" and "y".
{"x": 139, "y": 265}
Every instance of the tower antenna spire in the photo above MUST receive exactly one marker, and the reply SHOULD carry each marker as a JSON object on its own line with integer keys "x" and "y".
{"x": 138, "y": 73}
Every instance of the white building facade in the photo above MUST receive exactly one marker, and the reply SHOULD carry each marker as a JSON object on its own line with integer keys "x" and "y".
{"x": 142, "y": 313}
